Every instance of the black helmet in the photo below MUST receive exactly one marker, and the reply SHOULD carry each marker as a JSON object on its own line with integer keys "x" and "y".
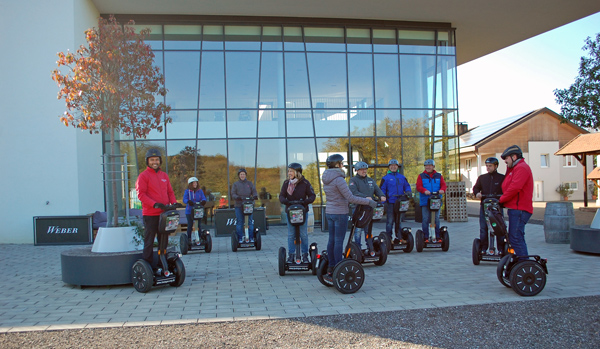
{"x": 333, "y": 160}
{"x": 513, "y": 149}
{"x": 491, "y": 160}
{"x": 360, "y": 165}
{"x": 296, "y": 167}
{"x": 151, "y": 153}
{"x": 242, "y": 170}
{"x": 393, "y": 162}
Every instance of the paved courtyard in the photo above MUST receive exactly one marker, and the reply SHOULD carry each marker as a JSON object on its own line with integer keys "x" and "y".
{"x": 227, "y": 286}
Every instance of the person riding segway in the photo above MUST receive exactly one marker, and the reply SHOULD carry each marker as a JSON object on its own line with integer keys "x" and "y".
{"x": 431, "y": 186}
{"x": 194, "y": 240}
{"x": 244, "y": 193}
{"x": 398, "y": 192}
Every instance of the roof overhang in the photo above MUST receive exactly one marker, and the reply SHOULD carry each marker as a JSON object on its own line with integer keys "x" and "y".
{"x": 482, "y": 27}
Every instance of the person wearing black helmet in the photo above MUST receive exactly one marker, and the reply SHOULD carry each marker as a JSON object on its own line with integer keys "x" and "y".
{"x": 155, "y": 192}
{"x": 489, "y": 185}
{"x": 241, "y": 189}
{"x": 338, "y": 195}
{"x": 394, "y": 184}
{"x": 297, "y": 188}
{"x": 517, "y": 197}
{"x": 363, "y": 186}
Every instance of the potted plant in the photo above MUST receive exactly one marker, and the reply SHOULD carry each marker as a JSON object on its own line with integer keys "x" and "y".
{"x": 565, "y": 191}
{"x": 111, "y": 85}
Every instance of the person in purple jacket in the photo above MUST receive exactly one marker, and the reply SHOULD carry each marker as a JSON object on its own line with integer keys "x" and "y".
{"x": 338, "y": 195}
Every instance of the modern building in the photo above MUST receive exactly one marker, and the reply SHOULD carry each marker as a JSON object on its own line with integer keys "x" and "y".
{"x": 540, "y": 134}
{"x": 252, "y": 84}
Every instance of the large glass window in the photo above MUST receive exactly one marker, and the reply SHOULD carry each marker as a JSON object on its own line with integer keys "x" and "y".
{"x": 328, "y": 84}
{"x": 181, "y": 79}
{"x": 212, "y": 81}
{"x": 242, "y": 79}
{"x": 387, "y": 89}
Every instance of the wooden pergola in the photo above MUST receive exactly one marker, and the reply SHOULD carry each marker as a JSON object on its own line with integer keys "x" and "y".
{"x": 580, "y": 147}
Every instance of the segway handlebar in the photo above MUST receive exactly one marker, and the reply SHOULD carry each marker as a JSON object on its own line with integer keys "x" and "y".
{"x": 172, "y": 207}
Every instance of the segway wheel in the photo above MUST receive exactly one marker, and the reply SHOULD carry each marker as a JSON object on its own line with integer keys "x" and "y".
{"x": 208, "y": 243}
{"x": 257, "y": 241}
{"x": 476, "y": 251}
{"x": 527, "y": 278}
{"x": 382, "y": 250}
{"x": 282, "y": 261}
{"x": 179, "y": 271}
{"x": 322, "y": 270}
{"x": 234, "y": 241}
{"x": 348, "y": 276}
{"x": 385, "y": 239}
{"x": 183, "y": 243}
{"x": 410, "y": 243}
{"x": 355, "y": 252}
{"x": 419, "y": 240}
{"x": 141, "y": 276}
{"x": 445, "y": 241}
{"x": 313, "y": 260}
{"x": 500, "y": 270}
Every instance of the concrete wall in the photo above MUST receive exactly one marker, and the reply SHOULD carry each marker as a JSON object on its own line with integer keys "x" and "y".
{"x": 48, "y": 168}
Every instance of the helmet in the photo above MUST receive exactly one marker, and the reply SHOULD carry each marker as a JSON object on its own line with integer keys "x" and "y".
{"x": 242, "y": 170}
{"x": 393, "y": 162}
{"x": 429, "y": 162}
{"x": 491, "y": 160}
{"x": 360, "y": 165}
{"x": 295, "y": 166}
{"x": 333, "y": 160}
{"x": 153, "y": 152}
{"x": 192, "y": 180}
{"x": 513, "y": 149}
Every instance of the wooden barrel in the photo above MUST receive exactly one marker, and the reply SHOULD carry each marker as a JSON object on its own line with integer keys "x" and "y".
{"x": 558, "y": 220}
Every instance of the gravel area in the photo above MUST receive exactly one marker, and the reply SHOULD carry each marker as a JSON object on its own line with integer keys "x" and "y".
{"x": 558, "y": 323}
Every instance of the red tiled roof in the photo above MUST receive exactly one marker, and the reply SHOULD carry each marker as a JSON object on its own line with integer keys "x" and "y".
{"x": 584, "y": 143}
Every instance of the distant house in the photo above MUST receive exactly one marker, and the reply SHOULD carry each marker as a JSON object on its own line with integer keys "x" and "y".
{"x": 540, "y": 134}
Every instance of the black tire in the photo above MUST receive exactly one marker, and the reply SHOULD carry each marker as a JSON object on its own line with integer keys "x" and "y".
{"x": 527, "y": 278}
{"x": 183, "y": 243}
{"x": 313, "y": 260}
{"x": 502, "y": 265}
{"x": 355, "y": 252}
{"x": 179, "y": 270}
{"x": 234, "y": 241}
{"x": 348, "y": 276}
{"x": 419, "y": 240}
{"x": 382, "y": 254}
{"x": 208, "y": 244}
{"x": 257, "y": 241}
{"x": 385, "y": 239}
{"x": 410, "y": 243}
{"x": 445, "y": 240}
{"x": 281, "y": 256}
{"x": 476, "y": 251}
{"x": 322, "y": 270}
{"x": 141, "y": 276}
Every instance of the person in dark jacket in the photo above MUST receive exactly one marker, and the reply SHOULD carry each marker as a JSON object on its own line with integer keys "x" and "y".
{"x": 241, "y": 189}
{"x": 364, "y": 186}
{"x": 488, "y": 185}
{"x": 430, "y": 181}
{"x": 296, "y": 188}
{"x": 338, "y": 195}
{"x": 394, "y": 184}
{"x": 192, "y": 195}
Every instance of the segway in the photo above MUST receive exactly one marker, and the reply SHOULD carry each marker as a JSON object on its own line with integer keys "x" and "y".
{"x": 434, "y": 205}
{"x": 405, "y": 242}
{"x": 170, "y": 269}
{"x": 247, "y": 209}
{"x": 201, "y": 240}
{"x": 494, "y": 220}
{"x": 348, "y": 274}
{"x": 296, "y": 216}
{"x": 376, "y": 251}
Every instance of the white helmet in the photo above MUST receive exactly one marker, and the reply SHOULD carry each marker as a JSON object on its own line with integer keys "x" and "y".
{"x": 192, "y": 180}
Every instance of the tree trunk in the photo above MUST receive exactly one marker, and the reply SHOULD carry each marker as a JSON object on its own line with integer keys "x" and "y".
{"x": 113, "y": 180}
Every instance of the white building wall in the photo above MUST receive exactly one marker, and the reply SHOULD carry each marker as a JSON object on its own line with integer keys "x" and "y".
{"x": 547, "y": 175}
{"x": 46, "y": 165}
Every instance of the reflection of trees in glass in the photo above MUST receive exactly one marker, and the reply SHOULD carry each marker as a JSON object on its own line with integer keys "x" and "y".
{"x": 311, "y": 173}
{"x": 181, "y": 168}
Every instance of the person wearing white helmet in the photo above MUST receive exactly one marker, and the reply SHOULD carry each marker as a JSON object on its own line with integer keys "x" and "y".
{"x": 364, "y": 186}
{"x": 192, "y": 195}
{"x": 430, "y": 181}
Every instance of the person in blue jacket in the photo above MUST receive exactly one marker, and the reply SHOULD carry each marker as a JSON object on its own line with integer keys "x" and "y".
{"x": 394, "y": 184}
{"x": 192, "y": 195}
{"x": 430, "y": 181}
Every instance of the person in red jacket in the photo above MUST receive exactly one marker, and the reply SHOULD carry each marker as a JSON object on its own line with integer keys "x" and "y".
{"x": 517, "y": 197}
{"x": 155, "y": 192}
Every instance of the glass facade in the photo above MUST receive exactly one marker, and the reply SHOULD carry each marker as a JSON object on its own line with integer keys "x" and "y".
{"x": 261, "y": 97}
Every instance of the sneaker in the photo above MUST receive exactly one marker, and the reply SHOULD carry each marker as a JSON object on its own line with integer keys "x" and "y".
{"x": 328, "y": 278}
{"x": 426, "y": 241}
{"x": 290, "y": 258}
{"x": 305, "y": 258}
{"x": 252, "y": 240}
{"x": 241, "y": 241}
{"x": 439, "y": 240}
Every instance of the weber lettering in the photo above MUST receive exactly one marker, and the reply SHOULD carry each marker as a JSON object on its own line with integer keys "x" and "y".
{"x": 54, "y": 229}
{"x": 231, "y": 221}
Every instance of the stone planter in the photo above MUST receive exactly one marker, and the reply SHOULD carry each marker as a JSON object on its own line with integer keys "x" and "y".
{"x": 115, "y": 239}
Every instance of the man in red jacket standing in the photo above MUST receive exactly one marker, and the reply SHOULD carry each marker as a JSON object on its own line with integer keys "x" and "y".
{"x": 155, "y": 192}
{"x": 517, "y": 197}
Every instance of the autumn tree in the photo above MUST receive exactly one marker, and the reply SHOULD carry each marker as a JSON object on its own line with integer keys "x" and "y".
{"x": 112, "y": 85}
{"x": 580, "y": 103}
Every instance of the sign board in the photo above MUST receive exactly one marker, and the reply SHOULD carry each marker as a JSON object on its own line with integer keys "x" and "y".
{"x": 62, "y": 230}
{"x": 225, "y": 220}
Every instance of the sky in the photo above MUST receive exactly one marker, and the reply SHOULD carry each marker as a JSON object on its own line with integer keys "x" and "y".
{"x": 522, "y": 77}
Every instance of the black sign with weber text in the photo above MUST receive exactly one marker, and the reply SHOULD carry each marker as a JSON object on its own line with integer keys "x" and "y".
{"x": 62, "y": 230}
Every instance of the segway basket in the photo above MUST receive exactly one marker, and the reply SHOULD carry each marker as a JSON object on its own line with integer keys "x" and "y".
{"x": 435, "y": 202}
{"x": 296, "y": 214}
{"x": 378, "y": 213}
{"x": 248, "y": 207}
{"x": 404, "y": 203}
{"x": 493, "y": 213}
{"x": 198, "y": 212}
{"x": 168, "y": 222}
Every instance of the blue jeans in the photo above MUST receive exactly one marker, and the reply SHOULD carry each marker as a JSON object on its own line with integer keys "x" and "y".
{"x": 483, "y": 234}
{"x": 303, "y": 237}
{"x": 425, "y": 224}
{"x": 516, "y": 230}
{"x": 190, "y": 225}
{"x": 239, "y": 225}
{"x": 358, "y": 233}
{"x": 337, "y": 224}
{"x": 390, "y": 219}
